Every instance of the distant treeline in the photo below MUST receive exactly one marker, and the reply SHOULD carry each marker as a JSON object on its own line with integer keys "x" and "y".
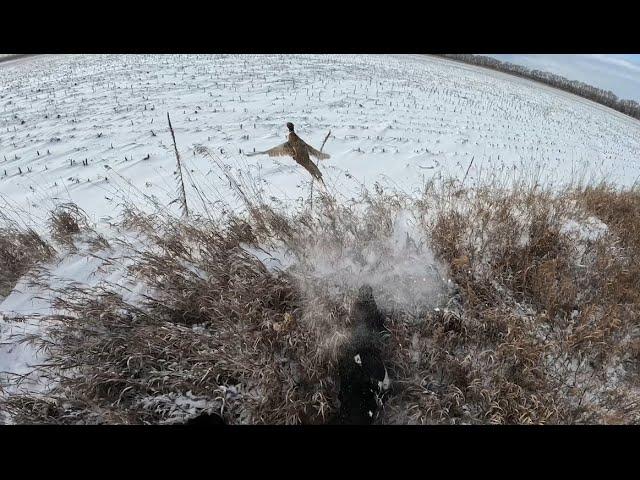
{"x": 604, "y": 97}
{"x": 8, "y": 57}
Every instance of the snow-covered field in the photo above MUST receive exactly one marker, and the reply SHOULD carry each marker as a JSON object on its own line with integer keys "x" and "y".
{"x": 92, "y": 129}
{"x": 399, "y": 119}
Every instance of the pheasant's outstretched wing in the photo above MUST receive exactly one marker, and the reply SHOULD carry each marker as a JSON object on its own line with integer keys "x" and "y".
{"x": 283, "y": 150}
{"x": 316, "y": 153}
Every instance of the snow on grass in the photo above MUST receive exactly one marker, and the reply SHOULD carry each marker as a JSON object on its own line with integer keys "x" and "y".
{"x": 19, "y": 359}
{"x": 591, "y": 229}
{"x": 398, "y": 265}
{"x": 176, "y": 408}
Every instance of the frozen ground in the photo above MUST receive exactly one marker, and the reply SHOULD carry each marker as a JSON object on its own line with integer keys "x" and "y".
{"x": 396, "y": 120}
{"x": 400, "y": 119}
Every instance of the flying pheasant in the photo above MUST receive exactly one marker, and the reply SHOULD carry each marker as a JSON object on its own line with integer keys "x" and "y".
{"x": 300, "y": 151}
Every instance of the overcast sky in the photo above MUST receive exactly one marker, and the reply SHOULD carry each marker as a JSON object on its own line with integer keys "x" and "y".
{"x": 619, "y": 73}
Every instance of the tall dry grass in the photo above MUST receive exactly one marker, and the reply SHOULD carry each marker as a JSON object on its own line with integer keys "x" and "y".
{"x": 21, "y": 249}
{"x": 503, "y": 305}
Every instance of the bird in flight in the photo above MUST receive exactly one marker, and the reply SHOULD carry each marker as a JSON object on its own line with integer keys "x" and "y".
{"x": 300, "y": 151}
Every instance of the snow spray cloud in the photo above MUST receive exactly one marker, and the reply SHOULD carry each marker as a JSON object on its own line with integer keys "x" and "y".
{"x": 393, "y": 257}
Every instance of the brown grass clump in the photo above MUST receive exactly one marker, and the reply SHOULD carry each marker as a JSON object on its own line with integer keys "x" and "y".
{"x": 541, "y": 307}
{"x": 65, "y": 222}
{"x": 20, "y": 250}
{"x": 620, "y": 211}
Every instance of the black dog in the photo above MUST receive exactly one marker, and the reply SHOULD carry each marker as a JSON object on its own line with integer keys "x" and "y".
{"x": 365, "y": 312}
{"x": 363, "y": 376}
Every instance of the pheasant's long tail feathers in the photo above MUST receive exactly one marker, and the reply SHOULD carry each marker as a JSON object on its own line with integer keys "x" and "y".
{"x": 311, "y": 167}
{"x": 322, "y": 186}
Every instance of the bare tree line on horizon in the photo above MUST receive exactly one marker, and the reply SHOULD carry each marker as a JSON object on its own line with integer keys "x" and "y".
{"x": 604, "y": 97}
